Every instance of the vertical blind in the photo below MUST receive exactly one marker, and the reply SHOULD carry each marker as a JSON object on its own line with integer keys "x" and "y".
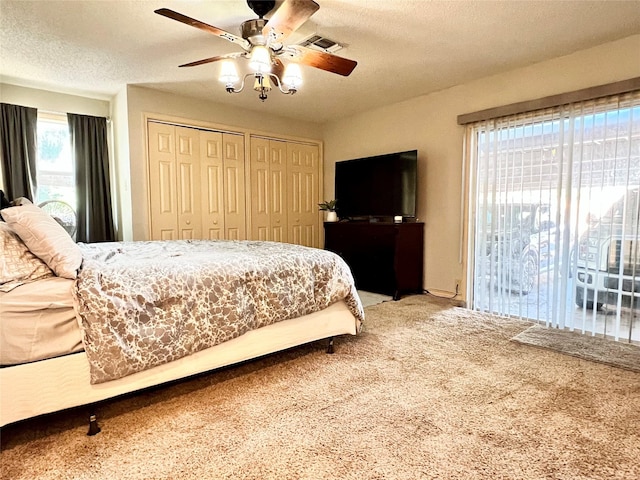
{"x": 555, "y": 216}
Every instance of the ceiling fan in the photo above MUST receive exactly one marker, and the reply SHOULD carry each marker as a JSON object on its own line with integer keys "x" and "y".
{"x": 262, "y": 43}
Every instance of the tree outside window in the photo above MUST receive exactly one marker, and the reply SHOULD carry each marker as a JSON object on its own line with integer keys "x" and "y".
{"x": 55, "y": 172}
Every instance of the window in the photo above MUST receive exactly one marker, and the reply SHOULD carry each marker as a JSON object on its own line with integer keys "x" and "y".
{"x": 55, "y": 172}
{"x": 556, "y": 222}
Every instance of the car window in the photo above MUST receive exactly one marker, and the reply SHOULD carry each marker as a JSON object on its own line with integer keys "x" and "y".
{"x": 617, "y": 211}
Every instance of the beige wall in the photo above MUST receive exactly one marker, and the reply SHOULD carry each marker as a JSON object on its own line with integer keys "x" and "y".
{"x": 53, "y": 101}
{"x": 122, "y": 215}
{"x": 143, "y": 101}
{"x": 428, "y": 123}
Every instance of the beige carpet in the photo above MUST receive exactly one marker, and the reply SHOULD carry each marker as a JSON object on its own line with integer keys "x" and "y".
{"x": 429, "y": 391}
{"x": 596, "y": 349}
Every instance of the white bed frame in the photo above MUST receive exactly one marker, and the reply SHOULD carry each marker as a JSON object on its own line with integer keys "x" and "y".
{"x": 46, "y": 386}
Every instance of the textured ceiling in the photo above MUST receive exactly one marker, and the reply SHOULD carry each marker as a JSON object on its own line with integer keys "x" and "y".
{"x": 404, "y": 48}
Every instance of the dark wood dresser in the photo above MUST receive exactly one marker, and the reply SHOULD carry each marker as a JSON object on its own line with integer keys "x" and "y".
{"x": 384, "y": 257}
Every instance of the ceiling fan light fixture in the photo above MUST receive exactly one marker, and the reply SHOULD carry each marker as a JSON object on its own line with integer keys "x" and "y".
{"x": 292, "y": 77}
{"x": 260, "y": 61}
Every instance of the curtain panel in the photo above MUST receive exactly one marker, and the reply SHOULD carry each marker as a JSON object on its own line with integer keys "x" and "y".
{"x": 18, "y": 150}
{"x": 93, "y": 181}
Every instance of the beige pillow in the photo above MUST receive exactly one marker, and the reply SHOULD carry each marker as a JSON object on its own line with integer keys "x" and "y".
{"x": 46, "y": 238}
{"x": 17, "y": 264}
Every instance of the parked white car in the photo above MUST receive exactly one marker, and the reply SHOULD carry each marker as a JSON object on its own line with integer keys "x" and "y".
{"x": 608, "y": 258}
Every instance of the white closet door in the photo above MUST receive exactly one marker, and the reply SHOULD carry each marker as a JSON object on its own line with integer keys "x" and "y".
{"x": 212, "y": 185}
{"x": 303, "y": 186}
{"x": 162, "y": 182}
{"x": 268, "y": 189}
{"x": 198, "y": 183}
{"x": 260, "y": 191}
{"x": 234, "y": 193}
{"x": 278, "y": 190}
{"x": 188, "y": 176}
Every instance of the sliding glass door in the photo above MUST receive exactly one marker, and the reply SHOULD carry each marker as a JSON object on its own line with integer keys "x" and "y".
{"x": 555, "y": 216}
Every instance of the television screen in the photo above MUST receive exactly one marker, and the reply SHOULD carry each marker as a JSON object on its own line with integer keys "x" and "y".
{"x": 377, "y": 187}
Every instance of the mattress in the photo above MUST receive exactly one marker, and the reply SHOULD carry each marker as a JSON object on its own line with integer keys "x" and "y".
{"x": 38, "y": 321}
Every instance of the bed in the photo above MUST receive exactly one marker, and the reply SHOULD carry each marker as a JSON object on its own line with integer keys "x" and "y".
{"x": 88, "y": 322}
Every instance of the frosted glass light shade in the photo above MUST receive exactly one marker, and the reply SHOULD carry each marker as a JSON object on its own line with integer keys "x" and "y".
{"x": 262, "y": 82}
{"x": 228, "y": 73}
{"x": 260, "y": 59}
{"x": 292, "y": 76}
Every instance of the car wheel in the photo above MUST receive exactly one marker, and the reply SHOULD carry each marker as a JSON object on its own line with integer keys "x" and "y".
{"x": 528, "y": 274}
{"x": 588, "y": 304}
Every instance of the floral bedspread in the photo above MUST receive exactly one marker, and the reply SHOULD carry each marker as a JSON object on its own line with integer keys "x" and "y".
{"x": 142, "y": 304}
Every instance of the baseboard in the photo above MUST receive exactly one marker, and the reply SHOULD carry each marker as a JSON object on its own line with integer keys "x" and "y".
{"x": 455, "y": 299}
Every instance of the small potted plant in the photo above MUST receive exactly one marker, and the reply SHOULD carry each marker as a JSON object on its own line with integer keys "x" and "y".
{"x": 330, "y": 208}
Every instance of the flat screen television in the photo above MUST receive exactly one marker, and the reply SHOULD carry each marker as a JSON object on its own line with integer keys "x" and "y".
{"x": 377, "y": 188}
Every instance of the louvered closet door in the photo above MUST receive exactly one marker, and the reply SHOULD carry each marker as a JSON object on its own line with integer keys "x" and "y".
{"x": 162, "y": 182}
{"x": 212, "y": 185}
{"x": 234, "y": 189}
{"x": 303, "y": 184}
{"x": 268, "y": 190}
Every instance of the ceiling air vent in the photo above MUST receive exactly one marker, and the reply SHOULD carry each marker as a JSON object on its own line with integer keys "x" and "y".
{"x": 323, "y": 44}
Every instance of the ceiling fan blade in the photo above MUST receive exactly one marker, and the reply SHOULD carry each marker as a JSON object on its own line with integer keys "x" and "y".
{"x": 322, "y": 60}
{"x": 277, "y": 68}
{"x": 212, "y": 59}
{"x": 165, "y": 12}
{"x": 288, "y": 18}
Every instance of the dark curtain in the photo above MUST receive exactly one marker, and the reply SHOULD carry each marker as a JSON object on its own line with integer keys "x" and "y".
{"x": 91, "y": 159}
{"x": 18, "y": 150}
